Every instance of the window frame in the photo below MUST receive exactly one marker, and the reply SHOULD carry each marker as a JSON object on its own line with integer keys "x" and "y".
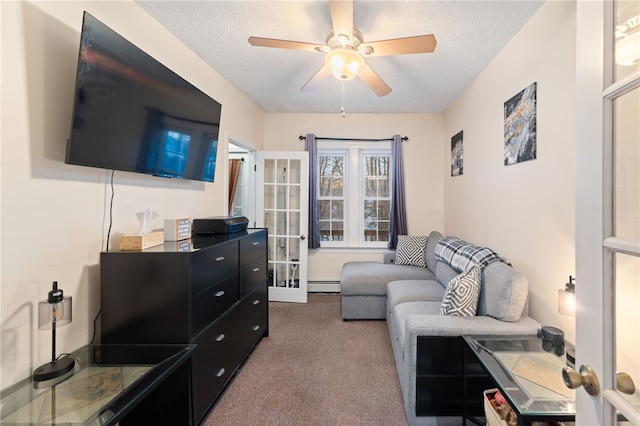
{"x": 353, "y": 193}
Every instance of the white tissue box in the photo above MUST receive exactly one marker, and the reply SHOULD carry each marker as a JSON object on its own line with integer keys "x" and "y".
{"x": 141, "y": 242}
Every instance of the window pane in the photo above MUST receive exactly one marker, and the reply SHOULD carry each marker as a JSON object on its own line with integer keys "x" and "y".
{"x": 325, "y": 186}
{"x": 627, "y": 294}
{"x": 627, "y": 38}
{"x": 337, "y": 187}
{"x": 626, "y": 144}
{"x": 324, "y": 210}
{"x": 384, "y": 209}
{"x": 337, "y": 209}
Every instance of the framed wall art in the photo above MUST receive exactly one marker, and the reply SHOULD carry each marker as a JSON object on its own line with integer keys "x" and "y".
{"x": 520, "y": 127}
{"x": 456, "y": 154}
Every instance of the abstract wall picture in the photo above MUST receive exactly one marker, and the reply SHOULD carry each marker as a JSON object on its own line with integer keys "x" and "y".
{"x": 520, "y": 127}
{"x": 456, "y": 154}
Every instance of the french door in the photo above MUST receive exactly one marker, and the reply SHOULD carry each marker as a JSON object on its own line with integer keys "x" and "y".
{"x": 608, "y": 210}
{"x": 282, "y": 179}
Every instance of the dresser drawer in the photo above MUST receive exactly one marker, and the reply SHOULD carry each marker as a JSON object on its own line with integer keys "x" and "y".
{"x": 253, "y": 275}
{"x": 213, "y": 373}
{"x": 252, "y": 330}
{"x": 253, "y": 247}
{"x": 212, "y": 265}
{"x": 207, "y": 306}
{"x": 251, "y": 305}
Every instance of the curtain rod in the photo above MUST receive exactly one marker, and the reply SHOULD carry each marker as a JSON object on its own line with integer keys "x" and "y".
{"x": 404, "y": 139}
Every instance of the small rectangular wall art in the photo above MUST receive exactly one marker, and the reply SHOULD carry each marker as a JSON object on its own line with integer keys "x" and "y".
{"x": 520, "y": 127}
{"x": 456, "y": 154}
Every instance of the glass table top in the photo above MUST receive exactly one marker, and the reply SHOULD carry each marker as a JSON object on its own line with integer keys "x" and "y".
{"x": 528, "y": 372}
{"x": 108, "y": 380}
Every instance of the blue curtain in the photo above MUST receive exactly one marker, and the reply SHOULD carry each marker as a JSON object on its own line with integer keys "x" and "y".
{"x": 398, "y": 219}
{"x": 311, "y": 146}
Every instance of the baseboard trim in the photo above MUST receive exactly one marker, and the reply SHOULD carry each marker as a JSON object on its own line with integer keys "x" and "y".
{"x": 323, "y": 287}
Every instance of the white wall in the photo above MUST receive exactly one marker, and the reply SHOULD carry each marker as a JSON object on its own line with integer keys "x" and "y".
{"x": 55, "y": 216}
{"x": 525, "y": 211}
{"x": 422, "y": 160}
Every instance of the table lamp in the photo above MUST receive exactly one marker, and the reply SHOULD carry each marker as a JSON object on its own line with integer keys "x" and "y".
{"x": 54, "y": 312}
{"x": 567, "y": 298}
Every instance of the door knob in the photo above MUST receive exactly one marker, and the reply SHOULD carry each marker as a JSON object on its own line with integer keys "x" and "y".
{"x": 302, "y": 237}
{"x": 586, "y": 378}
{"x": 625, "y": 384}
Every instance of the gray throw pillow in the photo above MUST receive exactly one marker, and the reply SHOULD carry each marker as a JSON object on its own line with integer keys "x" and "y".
{"x": 410, "y": 250}
{"x": 462, "y": 293}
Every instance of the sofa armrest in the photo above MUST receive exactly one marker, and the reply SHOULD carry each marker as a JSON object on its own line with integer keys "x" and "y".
{"x": 446, "y": 325}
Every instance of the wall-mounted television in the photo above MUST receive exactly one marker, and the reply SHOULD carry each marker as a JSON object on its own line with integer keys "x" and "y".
{"x": 132, "y": 113}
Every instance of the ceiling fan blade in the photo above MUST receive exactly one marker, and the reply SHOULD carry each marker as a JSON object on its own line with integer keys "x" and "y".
{"x": 286, "y": 44}
{"x": 342, "y": 17}
{"x": 318, "y": 78}
{"x": 374, "y": 81}
{"x": 400, "y": 46}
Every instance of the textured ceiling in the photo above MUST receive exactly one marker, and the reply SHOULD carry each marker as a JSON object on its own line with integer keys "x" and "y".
{"x": 469, "y": 35}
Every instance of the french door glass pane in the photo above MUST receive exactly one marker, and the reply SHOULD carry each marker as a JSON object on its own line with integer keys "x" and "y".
{"x": 627, "y": 294}
{"x": 294, "y": 171}
{"x": 627, "y": 38}
{"x": 627, "y": 166}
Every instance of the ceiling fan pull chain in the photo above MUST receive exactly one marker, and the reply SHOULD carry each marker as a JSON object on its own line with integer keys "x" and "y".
{"x": 342, "y": 102}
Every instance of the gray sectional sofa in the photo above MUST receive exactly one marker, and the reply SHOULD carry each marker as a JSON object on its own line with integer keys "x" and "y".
{"x": 410, "y": 297}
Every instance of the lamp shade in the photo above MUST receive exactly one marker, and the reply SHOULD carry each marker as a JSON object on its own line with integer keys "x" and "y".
{"x": 567, "y": 299}
{"x": 344, "y": 63}
{"x": 58, "y": 313}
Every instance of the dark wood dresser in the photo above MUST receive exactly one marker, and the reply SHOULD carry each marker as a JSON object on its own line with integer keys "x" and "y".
{"x": 211, "y": 291}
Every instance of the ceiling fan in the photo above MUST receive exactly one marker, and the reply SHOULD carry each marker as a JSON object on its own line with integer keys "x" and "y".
{"x": 346, "y": 50}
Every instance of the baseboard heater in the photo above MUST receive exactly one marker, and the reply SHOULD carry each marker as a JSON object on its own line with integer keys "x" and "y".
{"x": 323, "y": 286}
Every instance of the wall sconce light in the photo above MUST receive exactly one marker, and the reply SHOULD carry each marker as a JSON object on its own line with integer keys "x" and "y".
{"x": 567, "y": 298}
{"x": 628, "y": 42}
{"x": 54, "y": 312}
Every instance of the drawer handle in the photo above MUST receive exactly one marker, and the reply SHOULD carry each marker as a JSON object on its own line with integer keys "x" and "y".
{"x": 220, "y": 337}
{"x": 255, "y": 328}
{"x": 219, "y": 258}
{"x": 219, "y": 293}
{"x": 220, "y": 372}
{"x": 255, "y": 302}
{"x": 255, "y": 270}
{"x": 255, "y": 243}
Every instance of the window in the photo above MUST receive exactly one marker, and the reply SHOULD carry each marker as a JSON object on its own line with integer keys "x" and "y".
{"x": 354, "y": 195}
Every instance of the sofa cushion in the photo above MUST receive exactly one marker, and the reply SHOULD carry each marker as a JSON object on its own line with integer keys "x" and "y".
{"x": 430, "y": 252}
{"x": 371, "y": 278}
{"x": 413, "y": 291}
{"x": 461, "y": 297}
{"x": 503, "y": 294}
{"x": 445, "y": 273}
{"x": 411, "y": 250}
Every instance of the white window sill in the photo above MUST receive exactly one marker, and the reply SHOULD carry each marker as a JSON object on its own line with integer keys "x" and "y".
{"x": 351, "y": 250}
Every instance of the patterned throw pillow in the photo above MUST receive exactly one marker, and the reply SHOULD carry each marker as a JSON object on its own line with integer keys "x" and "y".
{"x": 410, "y": 250}
{"x": 462, "y": 294}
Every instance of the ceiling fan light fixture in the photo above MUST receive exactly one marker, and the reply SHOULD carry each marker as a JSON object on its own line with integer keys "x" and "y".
{"x": 345, "y": 64}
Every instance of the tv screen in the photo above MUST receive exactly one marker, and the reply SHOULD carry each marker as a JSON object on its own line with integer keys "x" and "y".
{"x": 132, "y": 113}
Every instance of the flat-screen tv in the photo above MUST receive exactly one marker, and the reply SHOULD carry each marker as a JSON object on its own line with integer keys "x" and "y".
{"x": 132, "y": 113}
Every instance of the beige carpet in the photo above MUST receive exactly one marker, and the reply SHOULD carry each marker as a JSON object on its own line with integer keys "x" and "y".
{"x": 315, "y": 369}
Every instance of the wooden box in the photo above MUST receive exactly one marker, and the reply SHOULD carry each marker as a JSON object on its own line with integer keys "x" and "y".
{"x": 141, "y": 242}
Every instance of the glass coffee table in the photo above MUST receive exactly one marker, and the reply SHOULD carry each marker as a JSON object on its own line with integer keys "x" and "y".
{"x": 528, "y": 374}
{"x": 110, "y": 384}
